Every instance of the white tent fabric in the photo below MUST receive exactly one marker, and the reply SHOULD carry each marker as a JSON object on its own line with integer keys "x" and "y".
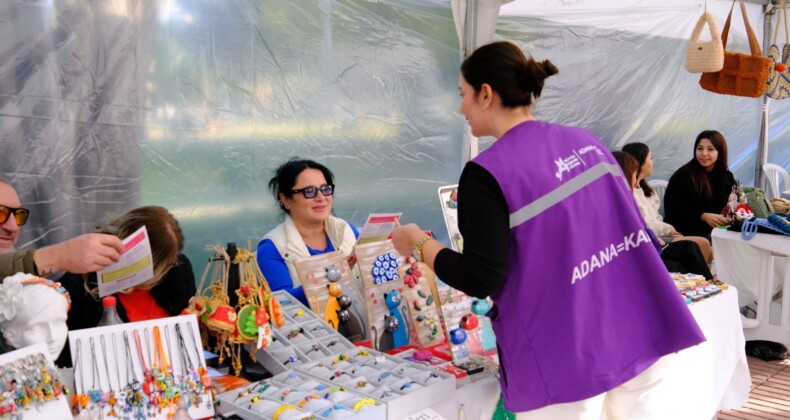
{"x": 621, "y": 75}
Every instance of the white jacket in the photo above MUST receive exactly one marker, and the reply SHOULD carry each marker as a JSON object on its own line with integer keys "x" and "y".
{"x": 289, "y": 243}
{"x": 649, "y": 206}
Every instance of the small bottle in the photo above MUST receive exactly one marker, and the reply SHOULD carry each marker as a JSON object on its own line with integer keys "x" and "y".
{"x": 110, "y": 315}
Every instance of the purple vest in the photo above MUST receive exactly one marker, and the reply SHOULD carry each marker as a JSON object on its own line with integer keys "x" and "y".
{"x": 587, "y": 304}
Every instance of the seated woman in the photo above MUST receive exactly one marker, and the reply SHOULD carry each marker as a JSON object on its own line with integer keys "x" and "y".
{"x": 699, "y": 190}
{"x": 678, "y": 256}
{"x": 649, "y": 202}
{"x": 166, "y": 294}
{"x": 303, "y": 189}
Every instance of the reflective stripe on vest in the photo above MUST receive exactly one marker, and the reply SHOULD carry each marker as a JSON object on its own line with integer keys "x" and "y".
{"x": 562, "y": 192}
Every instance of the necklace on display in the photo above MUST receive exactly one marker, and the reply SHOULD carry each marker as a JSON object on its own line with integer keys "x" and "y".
{"x": 111, "y": 399}
{"x": 135, "y": 399}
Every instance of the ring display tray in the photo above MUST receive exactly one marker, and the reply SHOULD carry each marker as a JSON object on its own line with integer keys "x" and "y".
{"x": 307, "y": 352}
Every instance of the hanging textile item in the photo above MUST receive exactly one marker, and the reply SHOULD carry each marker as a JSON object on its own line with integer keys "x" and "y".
{"x": 778, "y": 86}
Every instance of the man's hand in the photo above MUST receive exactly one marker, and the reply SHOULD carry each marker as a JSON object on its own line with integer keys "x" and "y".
{"x": 83, "y": 254}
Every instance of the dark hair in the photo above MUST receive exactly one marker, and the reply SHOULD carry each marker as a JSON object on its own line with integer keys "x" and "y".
{"x": 628, "y": 164}
{"x": 285, "y": 177}
{"x": 699, "y": 179}
{"x": 513, "y": 76}
{"x": 640, "y": 151}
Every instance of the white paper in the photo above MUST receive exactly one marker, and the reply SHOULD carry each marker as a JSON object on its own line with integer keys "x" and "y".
{"x": 378, "y": 227}
{"x": 55, "y": 409}
{"x": 135, "y": 266}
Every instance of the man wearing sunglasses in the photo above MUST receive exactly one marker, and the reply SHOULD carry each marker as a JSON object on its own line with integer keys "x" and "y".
{"x": 83, "y": 254}
{"x": 12, "y": 216}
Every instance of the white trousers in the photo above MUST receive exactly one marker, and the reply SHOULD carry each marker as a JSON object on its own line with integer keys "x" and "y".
{"x": 637, "y": 399}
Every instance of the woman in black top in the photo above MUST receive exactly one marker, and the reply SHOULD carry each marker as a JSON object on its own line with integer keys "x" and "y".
{"x": 699, "y": 190}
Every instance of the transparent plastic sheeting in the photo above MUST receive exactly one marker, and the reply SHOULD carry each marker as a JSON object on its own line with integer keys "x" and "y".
{"x": 191, "y": 105}
{"x": 632, "y": 86}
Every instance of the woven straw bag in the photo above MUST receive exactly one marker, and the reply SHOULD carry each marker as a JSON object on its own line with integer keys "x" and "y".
{"x": 778, "y": 86}
{"x": 705, "y": 56}
{"x": 742, "y": 74}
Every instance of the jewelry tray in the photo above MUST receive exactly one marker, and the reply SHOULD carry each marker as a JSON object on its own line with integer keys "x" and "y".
{"x": 316, "y": 352}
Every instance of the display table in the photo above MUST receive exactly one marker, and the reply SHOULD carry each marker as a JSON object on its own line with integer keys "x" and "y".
{"x": 753, "y": 268}
{"x": 706, "y": 378}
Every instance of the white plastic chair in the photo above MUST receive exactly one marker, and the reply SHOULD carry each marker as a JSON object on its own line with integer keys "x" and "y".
{"x": 773, "y": 174}
{"x": 659, "y": 186}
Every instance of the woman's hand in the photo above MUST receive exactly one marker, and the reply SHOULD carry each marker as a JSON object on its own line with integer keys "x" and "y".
{"x": 673, "y": 232}
{"x": 404, "y": 238}
{"x": 714, "y": 220}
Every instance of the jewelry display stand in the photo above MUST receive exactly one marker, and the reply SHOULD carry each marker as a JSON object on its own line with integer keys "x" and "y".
{"x": 421, "y": 293}
{"x": 314, "y": 362}
{"x": 387, "y": 310}
{"x": 36, "y": 392}
{"x": 469, "y": 331}
{"x": 141, "y": 369}
{"x": 327, "y": 282}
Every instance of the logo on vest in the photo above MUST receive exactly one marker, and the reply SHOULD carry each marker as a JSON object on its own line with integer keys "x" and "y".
{"x": 608, "y": 254}
{"x": 574, "y": 160}
{"x": 566, "y": 164}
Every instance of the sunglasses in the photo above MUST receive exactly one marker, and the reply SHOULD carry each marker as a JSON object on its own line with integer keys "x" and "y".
{"x": 20, "y": 214}
{"x": 312, "y": 192}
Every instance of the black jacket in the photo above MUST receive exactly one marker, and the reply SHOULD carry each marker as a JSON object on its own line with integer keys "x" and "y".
{"x": 172, "y": 294}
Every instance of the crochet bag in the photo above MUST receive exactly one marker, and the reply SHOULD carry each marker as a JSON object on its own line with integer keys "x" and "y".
{"x": 760, "y": 205}
{"x": 742, "y": 74}
{"x": 778, "y": 86}
{"x": 705, "y": 56}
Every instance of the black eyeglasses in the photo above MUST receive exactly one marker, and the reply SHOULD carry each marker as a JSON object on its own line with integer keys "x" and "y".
{"x": 311, "y": 191}
{"x": 20, "y": 214}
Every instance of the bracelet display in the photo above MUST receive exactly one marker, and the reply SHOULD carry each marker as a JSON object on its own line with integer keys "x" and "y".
{"x": 281, "y": 409}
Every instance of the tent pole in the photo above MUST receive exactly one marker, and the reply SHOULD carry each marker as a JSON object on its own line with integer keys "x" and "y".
{"x": 762, "y": 145}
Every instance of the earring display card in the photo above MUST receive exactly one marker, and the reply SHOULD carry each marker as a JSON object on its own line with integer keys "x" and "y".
{"x": 145, "y": 370}
{"x": 327, "y": 283}
{"x": 468, "y": 330}
{"x": 41, "y": 395}
{"x": 387, "y": 311}
{"x": 423, "y": 307}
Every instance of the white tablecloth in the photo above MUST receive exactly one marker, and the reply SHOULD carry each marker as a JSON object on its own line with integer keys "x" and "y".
{"x": 759, "y": 268}
{"x": 708, "y": 377}
{"x": 737, "y": 261}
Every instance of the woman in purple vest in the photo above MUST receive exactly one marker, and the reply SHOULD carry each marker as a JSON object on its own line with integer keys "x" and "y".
{"x": 584, "y": 310}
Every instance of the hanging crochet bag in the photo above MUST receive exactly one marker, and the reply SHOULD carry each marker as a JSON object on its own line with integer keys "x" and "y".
{"x": 705, "y": 56}
{"x": 778, "y": 86}
{"x": 742, "y": 74}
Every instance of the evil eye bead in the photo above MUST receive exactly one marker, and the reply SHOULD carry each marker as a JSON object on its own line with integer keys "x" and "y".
{"x": 385, "y": 265}
{"x": 392, "y": 256}
{"x": 376, "y": 271}
{"x": 377, "y": 263}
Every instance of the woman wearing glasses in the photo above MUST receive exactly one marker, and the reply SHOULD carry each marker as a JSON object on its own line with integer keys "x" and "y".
{"x": 303, "y": 189}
